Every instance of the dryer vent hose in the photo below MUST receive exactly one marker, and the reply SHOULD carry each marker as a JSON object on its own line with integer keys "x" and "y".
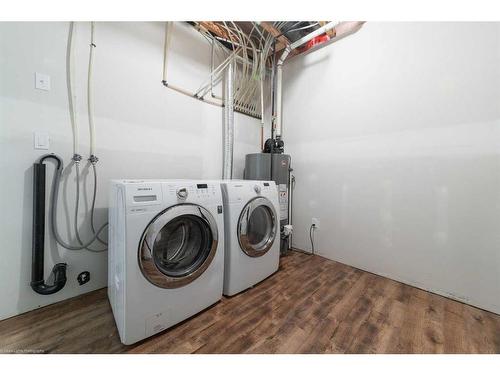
{"x": 38, "y": 246}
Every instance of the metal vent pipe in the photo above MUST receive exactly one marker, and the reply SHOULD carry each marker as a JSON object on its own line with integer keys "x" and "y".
{"x": 227, "y": 168}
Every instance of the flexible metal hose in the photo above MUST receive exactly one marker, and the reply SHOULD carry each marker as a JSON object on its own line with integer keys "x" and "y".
{"x": 53, "y": 214}
{"x": 75, "y": 221}
{"x": 92, "y": 209}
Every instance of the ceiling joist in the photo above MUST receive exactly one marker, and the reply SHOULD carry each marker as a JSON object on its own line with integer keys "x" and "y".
{"x": 282, "y": 40}
{"x": 278, "y": 31}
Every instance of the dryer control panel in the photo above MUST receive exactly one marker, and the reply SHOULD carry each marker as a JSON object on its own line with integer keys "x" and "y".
{"x": 242, "y": 191}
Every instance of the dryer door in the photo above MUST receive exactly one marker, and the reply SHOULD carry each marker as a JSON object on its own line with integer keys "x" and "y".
{"x": 257, "y": 227}
{"x": 178, "y": 245}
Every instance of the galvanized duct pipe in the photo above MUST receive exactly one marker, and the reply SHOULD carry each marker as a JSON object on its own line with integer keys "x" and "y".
{"x": 279, "y": 88}
{"x": 279, "y": 70}
{"x": 227, "y": 168}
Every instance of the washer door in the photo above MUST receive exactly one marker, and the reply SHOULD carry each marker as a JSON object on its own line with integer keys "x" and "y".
{"x": 257, "y": 227}
{"x": 178, "y": 245}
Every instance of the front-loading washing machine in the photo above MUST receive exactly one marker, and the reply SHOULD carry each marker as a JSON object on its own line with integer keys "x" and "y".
{"x": 166, "y": 253}
{"x": 252, "y": 243}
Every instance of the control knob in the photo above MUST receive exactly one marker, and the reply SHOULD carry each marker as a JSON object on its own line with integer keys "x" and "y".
{"x": 182, "y": 193}
{"x": 257, "y": 189}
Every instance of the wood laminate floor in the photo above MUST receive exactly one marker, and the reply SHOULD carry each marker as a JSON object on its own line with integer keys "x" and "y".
{"x": 312, "y": 305}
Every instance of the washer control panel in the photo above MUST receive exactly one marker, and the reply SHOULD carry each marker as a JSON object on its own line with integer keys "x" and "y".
{"x": 182, "y": 193}
{"x": 145, "y": 195}
{"x": 193, "y": 192}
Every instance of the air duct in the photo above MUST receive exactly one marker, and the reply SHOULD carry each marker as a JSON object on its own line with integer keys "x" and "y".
{"x": 227, "y": 168}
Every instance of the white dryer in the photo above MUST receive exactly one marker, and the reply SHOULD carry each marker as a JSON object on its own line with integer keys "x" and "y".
{"x": 252, "y": 241}
{"x": 166, "y": 253}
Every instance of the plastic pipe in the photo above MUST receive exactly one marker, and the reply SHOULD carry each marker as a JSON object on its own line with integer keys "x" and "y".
{"x": 38, "y": 283}
{"x": 166, "y": 46}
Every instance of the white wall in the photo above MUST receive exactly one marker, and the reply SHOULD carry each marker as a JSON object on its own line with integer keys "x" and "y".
{"x": 394, "y": 134}
{"x": 143, "y": 131}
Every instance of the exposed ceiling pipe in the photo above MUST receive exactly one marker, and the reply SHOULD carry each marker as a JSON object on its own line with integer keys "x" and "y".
{"x": 279, "y": 70}
{"x": 166, "y": 47}
{"x": 342, "y": 30}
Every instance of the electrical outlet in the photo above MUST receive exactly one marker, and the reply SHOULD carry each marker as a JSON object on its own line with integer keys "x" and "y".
{"x": 42, "y": 81}
{"x": 315, "y": 222}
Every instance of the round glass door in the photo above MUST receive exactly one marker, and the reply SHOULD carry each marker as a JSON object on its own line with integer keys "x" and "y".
{"x": 178, "y": 246}
{"x": 257, "y": 227}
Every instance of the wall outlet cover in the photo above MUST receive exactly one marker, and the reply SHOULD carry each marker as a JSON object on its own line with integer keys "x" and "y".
{"x": 315, "y": 222}
{"x": 42, "y": 81}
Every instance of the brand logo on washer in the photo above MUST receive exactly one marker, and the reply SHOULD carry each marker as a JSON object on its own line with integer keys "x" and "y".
{"x": 144, "y": 189}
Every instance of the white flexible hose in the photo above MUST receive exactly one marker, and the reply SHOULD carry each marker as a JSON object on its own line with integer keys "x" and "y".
{"x": 93, "y": 159}
{"x": 90, "y": 99}
{"x": 69, "y": 80}
{"x": 76, "y": 156}
{"x": 166, "y": 47}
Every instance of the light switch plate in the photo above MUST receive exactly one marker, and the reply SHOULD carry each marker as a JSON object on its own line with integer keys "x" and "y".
{"x": 42, "y": 81}
{"x": 41, "y": 140}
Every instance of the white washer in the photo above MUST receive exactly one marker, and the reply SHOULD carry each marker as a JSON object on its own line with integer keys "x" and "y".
{"x": 166, "y": 253}
{"x": 252, "y": 238}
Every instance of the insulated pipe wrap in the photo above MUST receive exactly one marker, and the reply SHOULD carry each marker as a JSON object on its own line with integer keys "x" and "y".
{"x": 227, "y": 168}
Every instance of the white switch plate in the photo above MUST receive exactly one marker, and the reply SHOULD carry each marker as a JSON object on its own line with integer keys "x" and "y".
{"x": 41, "y": 140}
{"x": 315, "y": 221}
{"x": 42, "y": 81}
